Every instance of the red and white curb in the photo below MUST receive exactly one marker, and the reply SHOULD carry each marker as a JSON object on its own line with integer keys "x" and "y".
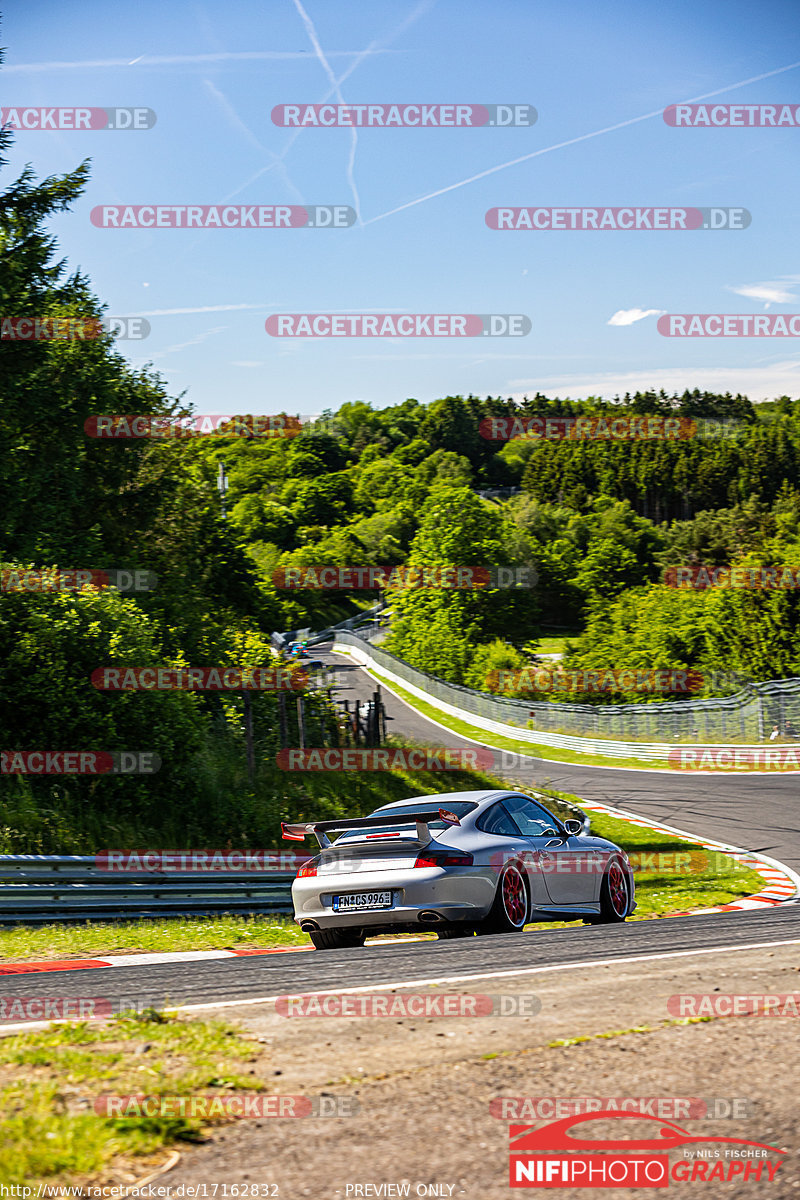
{"x": 151, "y": 960}
{"x": 139, "y": 960}
{"x": 783, "y": 883}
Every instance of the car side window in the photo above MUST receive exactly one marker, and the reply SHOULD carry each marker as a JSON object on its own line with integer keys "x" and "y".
{"x": 531, "y": 820}
{"x": 497, "y": 821}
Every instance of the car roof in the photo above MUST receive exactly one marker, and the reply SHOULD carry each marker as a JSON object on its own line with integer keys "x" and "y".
{"x": 477, "y": 797}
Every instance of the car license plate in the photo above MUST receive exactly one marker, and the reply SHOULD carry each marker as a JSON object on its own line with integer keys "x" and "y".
{"x": 359, "y": 900}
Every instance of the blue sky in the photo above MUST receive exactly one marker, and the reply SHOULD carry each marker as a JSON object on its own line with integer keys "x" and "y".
{"x": 213, "y": 74}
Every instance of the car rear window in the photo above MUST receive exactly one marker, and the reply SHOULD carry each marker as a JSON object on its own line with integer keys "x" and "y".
{"x": 459, "y": 807}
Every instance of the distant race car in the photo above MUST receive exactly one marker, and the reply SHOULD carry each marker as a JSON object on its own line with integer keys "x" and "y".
{"x": 457, "y": 863}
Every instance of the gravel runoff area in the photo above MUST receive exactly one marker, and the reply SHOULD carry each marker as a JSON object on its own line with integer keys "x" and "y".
{"x": 424, "y": 1085}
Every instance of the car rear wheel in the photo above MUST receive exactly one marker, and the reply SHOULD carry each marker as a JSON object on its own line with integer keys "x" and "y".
{"x": 338, "y": 939}
{"x": 509, "y": 913}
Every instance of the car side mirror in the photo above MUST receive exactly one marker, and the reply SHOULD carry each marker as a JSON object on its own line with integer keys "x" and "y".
{"x": 576, "y": 828}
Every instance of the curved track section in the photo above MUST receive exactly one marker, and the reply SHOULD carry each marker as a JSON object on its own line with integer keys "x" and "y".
{"x": 758, "y": 812}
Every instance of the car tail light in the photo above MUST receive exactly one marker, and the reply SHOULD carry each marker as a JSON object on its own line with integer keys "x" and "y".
{"x": 444, "y": 860}
{"x": 308, "y": 869}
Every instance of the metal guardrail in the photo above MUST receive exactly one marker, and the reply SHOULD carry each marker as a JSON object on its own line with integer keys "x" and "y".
{"x": 280, "y": 641}
{"x": 38, "y": 888}
{"x": 747, "y": 716}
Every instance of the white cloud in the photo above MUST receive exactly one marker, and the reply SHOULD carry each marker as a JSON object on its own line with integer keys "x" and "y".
{"x": 760, "y": 382}
{"x": 627, "y": 316}
{"x": 770, "y": 293}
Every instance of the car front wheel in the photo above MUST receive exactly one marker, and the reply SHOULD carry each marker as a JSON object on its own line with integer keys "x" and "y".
{"x": 615, "y": 895}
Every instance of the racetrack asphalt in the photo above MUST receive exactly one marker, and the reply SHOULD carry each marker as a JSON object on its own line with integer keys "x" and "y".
{"x": 757, "y": 813}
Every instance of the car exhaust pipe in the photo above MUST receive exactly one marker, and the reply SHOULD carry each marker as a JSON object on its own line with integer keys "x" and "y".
{"x": 309, "y": 926}
{"x": 430, "y": 918}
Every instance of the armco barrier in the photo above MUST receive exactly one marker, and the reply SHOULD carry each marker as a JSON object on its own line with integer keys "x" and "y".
{"x": 37, "y": 888}
{"x": 508, "y": 717}
{"x": 369, "y": 617}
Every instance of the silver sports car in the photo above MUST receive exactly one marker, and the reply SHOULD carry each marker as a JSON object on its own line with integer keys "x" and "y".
{"x": 458, "y": 863}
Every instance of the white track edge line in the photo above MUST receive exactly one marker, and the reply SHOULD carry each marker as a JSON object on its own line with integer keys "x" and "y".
{"x": 507, "y": 974}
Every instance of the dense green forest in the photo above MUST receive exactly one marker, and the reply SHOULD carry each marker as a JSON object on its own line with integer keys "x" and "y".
{"x": 596, "y": 523}
{"x": 599, "y": 522}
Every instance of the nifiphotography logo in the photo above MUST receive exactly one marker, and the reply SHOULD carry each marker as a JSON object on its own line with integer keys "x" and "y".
{"x": 634, "y": 1162}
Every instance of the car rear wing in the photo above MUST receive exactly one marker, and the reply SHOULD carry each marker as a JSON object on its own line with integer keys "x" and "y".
{"x": 321, "y": 829}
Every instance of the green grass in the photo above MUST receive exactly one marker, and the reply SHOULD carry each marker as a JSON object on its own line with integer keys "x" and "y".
{"x": 551, "y": 645}
{"x": 49, "y": 1081}
{"x": 98, "y": 938}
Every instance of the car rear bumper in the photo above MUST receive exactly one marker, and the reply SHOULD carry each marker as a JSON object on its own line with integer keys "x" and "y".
{"x": 431, "y": 897}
